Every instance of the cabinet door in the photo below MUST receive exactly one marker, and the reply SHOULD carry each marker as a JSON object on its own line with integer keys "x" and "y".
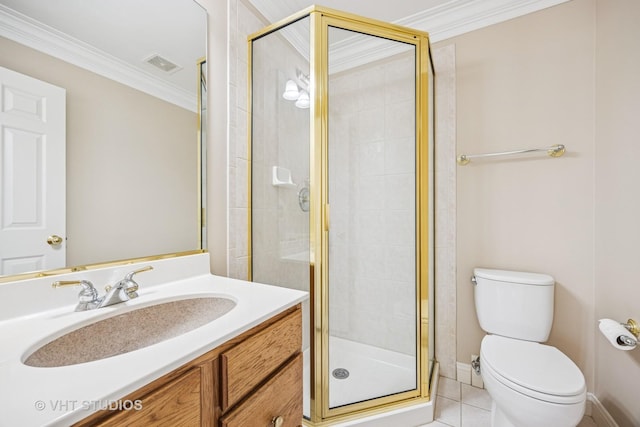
{"x": 281, "y": 396}
{"x": 174, "y": 404}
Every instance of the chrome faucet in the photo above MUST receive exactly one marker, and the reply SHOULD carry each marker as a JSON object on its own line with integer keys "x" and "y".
{"x": 88, "y": 296}
{"x": 122, "y": 291}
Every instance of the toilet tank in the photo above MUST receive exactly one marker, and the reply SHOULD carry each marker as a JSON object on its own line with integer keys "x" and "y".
{"x": 514, "y": 304}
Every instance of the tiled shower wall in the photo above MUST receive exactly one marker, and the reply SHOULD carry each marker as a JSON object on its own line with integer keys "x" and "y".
{"x": 445, "y": 211}
{"x": 242, "y": 22}
{"x": 372, "y": 197}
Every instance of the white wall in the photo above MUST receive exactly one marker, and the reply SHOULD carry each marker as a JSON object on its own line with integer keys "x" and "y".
{"x": 617, "y": 206}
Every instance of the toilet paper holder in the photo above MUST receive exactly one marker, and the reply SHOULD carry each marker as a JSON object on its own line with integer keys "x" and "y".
{"x": 633, "y": 327}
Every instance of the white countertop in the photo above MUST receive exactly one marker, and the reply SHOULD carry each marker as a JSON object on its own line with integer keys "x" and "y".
{"x": 32, "y": 396}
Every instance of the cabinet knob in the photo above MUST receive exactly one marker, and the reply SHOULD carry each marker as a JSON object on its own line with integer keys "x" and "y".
{"x": 277, "y": 421}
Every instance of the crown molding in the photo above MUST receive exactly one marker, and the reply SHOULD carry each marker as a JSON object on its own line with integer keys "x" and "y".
{"x": 448, "y": 20}
{"x": 274, "y": 11}
{"x": 29, "y": 32}
{"x": 457, "y": 17}
{"x": 442, "y": 22}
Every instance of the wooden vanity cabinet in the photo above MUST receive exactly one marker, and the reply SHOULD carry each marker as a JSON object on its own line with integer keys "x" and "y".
{"x": 252, "y": 380}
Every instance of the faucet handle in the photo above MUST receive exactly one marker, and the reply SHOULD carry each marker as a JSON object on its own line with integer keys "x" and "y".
{"x": 129, "y": 275}
{"x": 87, "y": 286}
{"x": 132, "y": 289}
{"x": 131, "y": 286}
{"x": 87, "y": 297}
{"x": 61, "y": 283}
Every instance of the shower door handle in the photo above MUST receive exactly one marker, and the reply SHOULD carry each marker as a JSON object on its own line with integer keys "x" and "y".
{"x": 326, "y": 217}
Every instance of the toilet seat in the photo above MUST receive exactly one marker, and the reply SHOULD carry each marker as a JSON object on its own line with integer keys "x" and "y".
{"x": 539, "y": 371}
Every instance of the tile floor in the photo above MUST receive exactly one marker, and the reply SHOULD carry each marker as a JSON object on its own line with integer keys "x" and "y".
{"x": 461, "y": 405}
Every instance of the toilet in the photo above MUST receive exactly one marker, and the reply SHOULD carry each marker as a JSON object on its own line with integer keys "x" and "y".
{"x": 531, "y": 384}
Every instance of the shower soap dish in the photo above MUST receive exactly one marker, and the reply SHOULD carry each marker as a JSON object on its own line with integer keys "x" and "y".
{"x": 281, "y": 177}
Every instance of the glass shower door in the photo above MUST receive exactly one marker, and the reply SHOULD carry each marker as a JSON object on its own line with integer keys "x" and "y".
{"x": 372, "y": 257}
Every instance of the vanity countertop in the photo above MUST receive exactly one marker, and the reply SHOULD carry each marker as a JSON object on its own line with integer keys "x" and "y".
{"x": 35, "y": 396}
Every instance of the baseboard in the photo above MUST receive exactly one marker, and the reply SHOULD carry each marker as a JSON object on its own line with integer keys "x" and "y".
{"x": 599, "y": 413}
{"x": 466, "y": 375}
{"x": 463, "y": 373}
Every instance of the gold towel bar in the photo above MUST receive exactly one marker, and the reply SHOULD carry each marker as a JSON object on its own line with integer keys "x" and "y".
{"x": 553, "y": 151}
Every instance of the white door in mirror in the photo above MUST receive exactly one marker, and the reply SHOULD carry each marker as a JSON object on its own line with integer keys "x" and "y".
{"x": 32, "y": 174}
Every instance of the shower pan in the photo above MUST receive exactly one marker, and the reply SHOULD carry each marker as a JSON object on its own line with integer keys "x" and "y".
{"x": 343, "y": 105}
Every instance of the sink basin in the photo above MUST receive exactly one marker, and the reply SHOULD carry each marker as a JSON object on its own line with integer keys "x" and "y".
{"x": 129, "y": 331}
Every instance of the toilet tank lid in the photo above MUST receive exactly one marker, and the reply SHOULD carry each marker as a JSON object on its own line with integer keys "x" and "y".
{"x": 514, "y": 276}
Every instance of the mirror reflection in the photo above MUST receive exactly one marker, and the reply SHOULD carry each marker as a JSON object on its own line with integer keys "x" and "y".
{"x": 119, "y": 176}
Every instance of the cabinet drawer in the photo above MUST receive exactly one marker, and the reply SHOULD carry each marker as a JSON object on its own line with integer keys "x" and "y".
{"x": 175, "y": 404}
{"x": 281, "y": 396}
{"x": 249, "y": 363}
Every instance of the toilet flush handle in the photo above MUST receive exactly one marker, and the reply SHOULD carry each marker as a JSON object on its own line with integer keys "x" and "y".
{"x": 473, "y": 280}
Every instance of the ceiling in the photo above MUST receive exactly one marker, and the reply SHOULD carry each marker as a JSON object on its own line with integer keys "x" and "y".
{"x": 390, "y": 11}
{"x": 115, "y": 37}
{"x": 121, "y": 34}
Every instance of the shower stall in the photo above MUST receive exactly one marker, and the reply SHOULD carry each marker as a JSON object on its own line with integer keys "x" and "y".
{"x": 340, "y": 141}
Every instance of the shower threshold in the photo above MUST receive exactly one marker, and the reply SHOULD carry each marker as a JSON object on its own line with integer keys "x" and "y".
{"x": 372, "y": 372}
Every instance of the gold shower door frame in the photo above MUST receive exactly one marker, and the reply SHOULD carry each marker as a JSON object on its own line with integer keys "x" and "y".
{"x": 319, "y": 222}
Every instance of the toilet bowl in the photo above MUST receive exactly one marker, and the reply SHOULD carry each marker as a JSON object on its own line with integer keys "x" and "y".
{"x": 531, "y": 384}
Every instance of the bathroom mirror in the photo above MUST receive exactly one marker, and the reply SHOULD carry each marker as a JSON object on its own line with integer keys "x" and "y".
{"x": 133, "y": 161}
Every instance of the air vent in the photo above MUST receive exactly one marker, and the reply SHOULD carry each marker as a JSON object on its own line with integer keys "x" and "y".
{"x": 163, "y": 64}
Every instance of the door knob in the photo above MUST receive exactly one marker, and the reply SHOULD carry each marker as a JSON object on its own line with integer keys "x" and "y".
{"x": 54, "y": 240}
